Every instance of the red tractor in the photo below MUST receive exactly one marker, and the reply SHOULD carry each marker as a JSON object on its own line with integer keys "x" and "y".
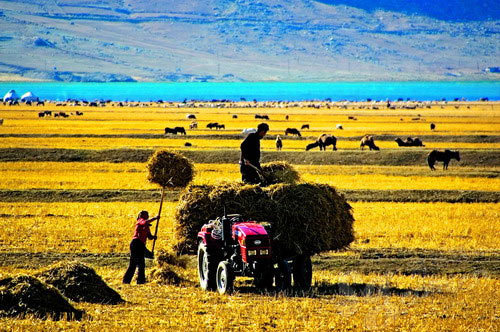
{"x": 230, "y": 247}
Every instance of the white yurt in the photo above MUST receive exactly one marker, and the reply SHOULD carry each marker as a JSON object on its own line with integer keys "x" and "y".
{"x": 29, "y": 96}
{"x": 11, "y": 95}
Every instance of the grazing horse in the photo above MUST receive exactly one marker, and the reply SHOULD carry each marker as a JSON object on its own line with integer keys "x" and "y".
{"x": 279, "y": 143}
{"x": 445, "y": 157}
{"x": 180, "y": 130}
{"x": 369, "y": 142}
{"x": 323, "y": 141}
{"x": 292, "y": 131}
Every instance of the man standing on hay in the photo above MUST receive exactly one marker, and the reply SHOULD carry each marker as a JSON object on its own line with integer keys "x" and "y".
{"x": 250, "y": 155}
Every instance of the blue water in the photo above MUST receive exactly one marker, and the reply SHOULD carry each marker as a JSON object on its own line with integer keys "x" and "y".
{"x": 355, "y": 91}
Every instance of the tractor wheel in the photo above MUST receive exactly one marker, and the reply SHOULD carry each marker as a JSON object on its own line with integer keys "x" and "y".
{"x": 264, "y": 276}
{"x": 282, "y": 276}
{"x": 207, "y": 267}
{"x": 302, "y": 271}
{"x": 225, "y": 278}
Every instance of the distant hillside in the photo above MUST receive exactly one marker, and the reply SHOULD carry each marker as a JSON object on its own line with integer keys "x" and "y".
{"x": 450, "y": 10}
{"x": 249, "y": 40}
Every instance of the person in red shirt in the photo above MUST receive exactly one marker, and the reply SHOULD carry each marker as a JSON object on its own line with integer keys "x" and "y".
{"x": 138, "y": 248}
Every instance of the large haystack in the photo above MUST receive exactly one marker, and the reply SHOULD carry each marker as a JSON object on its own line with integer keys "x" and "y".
{"x": 80, "y": 283}
{"x": 27, "y": 296}
{"x": 304, "y": 218}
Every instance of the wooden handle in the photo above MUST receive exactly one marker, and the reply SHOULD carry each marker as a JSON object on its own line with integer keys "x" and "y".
{"x": 158, "y": 221}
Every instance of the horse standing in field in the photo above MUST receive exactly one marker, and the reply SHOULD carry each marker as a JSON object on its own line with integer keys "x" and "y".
{"x": 292, "y": 131}
{"x": 323, "y": 141}
{"x": 445, "y": 157}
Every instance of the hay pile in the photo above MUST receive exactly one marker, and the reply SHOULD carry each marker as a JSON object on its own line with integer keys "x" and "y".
{"x": 25, "y": 295}
{"x": 280, "y": 172}
{"x": 170, "y": 169}
{"x": 79, "y": 283}
{"x": 166, "y": 271}
{"x": 304, "y": 218}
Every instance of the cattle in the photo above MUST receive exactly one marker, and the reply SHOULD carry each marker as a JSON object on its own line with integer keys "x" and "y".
{"x": 212, "y": 125}
{"x": 170, "y": 131}
{"x": 193, "y": 125}
{"x": 287, "y": 117}
{"x": 279, "y": 143}
{"x": 248, "y": 131}
{"x": 304, "y": 126}
{"x": 433, "y": 126}
{"x": 180, "y": 130}
{"x": 323, "y": 141}
{"x": 48, "y": 113}
{"x": 190, "y": 116}
{"x": 235, "y": 116}
{"x": 40, "y": 103}
{"x": 63, "y": 114}
{"x": 258, "y": 116}
{"x": 41, "y": 114}
{"x": 79, "y": 113}
{"x": 93, "y": 104}
{"x": 292, "y": 131}
{"x": 369, "y": 142}
{"x": 220, "y": 126}
{"x": 56, "y": 115}
{"x": 339, "y": 126}
{"x": 409, "y": 142}
{"x": 1, "y": 122}
{"x": 445, "y": 157}
{"x": 188, "y": 144}
{"x": 28, "y": 103}
{"x": 352, "y": 118}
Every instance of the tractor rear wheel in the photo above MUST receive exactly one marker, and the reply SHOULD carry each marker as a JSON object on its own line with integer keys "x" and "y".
{"x": 207, "y": 268}
{"x": 225, "y": 278}
{"x": 282, "y": 276}
{"x": 302, "y": 271}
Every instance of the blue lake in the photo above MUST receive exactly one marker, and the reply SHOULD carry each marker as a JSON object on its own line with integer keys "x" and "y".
{"x": 355, "y": 91}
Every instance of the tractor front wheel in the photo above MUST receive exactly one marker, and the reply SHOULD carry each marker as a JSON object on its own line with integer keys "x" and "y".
{"x": 207, "y": 268}
{"x": 225, "y": 278}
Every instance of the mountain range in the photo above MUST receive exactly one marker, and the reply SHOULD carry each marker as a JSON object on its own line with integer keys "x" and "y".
{"x": 249, "y": 40}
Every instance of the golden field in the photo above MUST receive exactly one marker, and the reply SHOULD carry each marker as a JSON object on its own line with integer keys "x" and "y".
{"x": 412, "y": 267}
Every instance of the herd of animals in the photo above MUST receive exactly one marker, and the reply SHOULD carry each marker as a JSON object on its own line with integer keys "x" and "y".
{"x": 326, "y": 140}
{"x": 323, "y": 141}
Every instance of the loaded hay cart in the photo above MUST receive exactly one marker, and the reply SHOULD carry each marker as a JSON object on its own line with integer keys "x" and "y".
{"x": 230, "y": 247}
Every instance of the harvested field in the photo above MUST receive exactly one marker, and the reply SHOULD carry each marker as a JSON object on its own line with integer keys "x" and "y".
{"x": 426, "y": 249}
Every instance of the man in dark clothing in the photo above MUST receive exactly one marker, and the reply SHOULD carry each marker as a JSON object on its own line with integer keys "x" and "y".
{"x": 250, "y": 155}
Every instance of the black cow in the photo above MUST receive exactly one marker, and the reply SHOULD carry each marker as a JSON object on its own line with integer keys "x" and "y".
{"x": 220, "y": 126}
{"x": 212, "y": 125}
{"x": 180, "y": 130}
{"x": 170, "y": 131}
{"x": 305, "y": 126}
{"x": 433, "y": 126}
{"x": 41, "y": 114}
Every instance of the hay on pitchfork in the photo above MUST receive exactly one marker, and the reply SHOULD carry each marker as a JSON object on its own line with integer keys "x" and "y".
{"x": 279, "y": 172}
{"x": 79, "y": 283}
{"x": 23, "y": 296}
{"x": 170, "y": 169}
{"x": 304, "y": 218}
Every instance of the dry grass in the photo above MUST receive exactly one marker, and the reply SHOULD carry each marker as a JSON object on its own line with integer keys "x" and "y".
{"x": 55, "y": 175}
